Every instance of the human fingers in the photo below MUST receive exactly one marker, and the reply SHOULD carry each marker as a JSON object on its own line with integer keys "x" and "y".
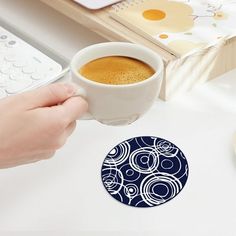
{"x": 71, "y": 110}
{"x": 70, "y": 129}
{"x": 50, "y": 95}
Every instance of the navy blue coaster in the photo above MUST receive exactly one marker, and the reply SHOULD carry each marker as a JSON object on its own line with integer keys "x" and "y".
{"x": 144, "y": 171}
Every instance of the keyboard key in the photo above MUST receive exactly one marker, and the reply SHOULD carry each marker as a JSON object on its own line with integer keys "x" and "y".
{"x": 15, "y": 70}
{"x": 11, "y": 44}
{"x": 3, "y": 93}
{"x": 37, "y": 76}
{"x": 3, "y": 37}
{"x": 3, "y": 80}
{"x": 10, "y": 57}
{"x": 20, "y": 63}
{"x": 3, "y": 63}
{"x": 3, "y": 50}
{"x": 14, "y": 87}
{"x": 5, "y": 69}
{"x": 28, "y": 69}
{"x": 16, "y": 76}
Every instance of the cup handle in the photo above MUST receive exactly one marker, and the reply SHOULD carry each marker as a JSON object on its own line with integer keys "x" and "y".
{"x": 82, "y": 93}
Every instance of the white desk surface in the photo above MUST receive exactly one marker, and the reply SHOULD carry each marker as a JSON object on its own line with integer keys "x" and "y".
{"x": 65, "y": 195}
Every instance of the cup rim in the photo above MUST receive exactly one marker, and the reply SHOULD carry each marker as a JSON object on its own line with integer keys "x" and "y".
{"x": 140, "y": 83}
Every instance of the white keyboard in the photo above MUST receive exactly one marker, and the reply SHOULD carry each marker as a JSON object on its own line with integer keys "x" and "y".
{"x": 23, "y": 67}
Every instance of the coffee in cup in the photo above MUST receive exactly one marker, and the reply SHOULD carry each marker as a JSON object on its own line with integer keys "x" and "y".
{"x": 116, "y": 70}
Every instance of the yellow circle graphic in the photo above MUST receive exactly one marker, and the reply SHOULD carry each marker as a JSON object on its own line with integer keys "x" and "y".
{"x": 154, "y": 14}
{"x": 220, "y": 15}
{"x": 163, "y": 36}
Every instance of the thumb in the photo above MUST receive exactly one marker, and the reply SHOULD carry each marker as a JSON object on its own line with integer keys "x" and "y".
{"x": 48, "y": 96}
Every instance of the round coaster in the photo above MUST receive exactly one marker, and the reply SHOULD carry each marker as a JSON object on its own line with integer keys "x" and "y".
{"x": 144, "y": 171}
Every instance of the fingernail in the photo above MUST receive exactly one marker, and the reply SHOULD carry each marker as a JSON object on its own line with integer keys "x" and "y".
{"x": 70, "y": 89}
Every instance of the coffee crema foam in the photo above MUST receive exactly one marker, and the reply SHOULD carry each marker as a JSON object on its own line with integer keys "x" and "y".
{"x": 116, "y": 70}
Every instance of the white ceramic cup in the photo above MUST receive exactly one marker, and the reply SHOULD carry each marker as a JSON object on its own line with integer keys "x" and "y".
{"x": 117, "y": 104}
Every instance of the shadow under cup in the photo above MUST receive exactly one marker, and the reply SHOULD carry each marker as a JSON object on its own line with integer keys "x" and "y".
{"x": 118, "y": 104}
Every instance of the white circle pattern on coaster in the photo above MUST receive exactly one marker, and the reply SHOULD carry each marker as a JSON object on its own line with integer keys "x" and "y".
{"x": 144, "y": 171}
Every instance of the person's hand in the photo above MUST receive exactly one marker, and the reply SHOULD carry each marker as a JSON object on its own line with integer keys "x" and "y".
{"x": 33, "y": 125}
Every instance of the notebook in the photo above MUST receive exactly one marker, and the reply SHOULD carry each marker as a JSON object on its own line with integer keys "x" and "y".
{"x": 179, "y": 26}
